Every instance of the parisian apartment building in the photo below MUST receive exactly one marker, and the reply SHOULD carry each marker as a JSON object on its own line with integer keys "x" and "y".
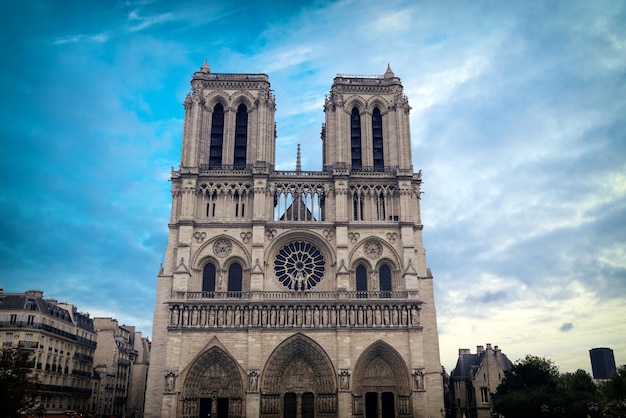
{"x": 62, "y": 343}
{"x": 81, "y": 365}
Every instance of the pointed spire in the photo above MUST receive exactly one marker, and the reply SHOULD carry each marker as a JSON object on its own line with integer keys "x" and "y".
{"x": 389, "y": 73}
{"x": 205, "y": 68}
{"x": 298, "y": 161}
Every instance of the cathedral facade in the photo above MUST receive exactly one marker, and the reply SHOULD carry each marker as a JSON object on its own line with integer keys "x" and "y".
{"x": 295, "y": 293}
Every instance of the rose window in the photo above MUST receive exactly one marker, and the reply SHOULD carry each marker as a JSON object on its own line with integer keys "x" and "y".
{"x": 299, "y": 265}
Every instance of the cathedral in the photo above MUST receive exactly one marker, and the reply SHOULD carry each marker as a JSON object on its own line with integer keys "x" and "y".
{"x": 289, "y": 294}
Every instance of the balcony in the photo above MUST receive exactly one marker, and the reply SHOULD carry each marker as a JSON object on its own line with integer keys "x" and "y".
{"x": 294, "y": 295}
{"x": 28, "y": 344}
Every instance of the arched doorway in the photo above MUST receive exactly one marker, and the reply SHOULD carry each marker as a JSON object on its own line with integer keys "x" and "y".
{"x": 213, "y": 387}
{"x": 381, "y": 386}
{"x": 299, "y": 381}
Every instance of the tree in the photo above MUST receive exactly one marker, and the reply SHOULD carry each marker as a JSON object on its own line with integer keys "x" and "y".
{"x": 531, "y": 383}
{"x": 17, "y": 387}
{"x": 576, "y": 391}
{"x": 615, "y": 393}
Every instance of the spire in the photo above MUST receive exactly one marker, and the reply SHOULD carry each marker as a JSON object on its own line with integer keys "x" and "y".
{"x": 205, "y": 68}
{"x": 298, "y": 160}
{"x": 389, "y": 73}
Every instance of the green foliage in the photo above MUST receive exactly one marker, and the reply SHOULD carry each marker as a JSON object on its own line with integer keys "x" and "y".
{"x": 530, "y": 383}
{"x": 534, "y": 388}
{"x": 615, "y": 388}
{"x": 615, "y": 393}
{"x": 17, "y": 388}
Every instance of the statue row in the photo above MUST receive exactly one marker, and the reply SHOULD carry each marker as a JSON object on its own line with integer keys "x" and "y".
{"x": 309, "y": 316}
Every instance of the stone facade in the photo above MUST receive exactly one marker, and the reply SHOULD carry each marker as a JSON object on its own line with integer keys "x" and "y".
{"x": 295, "y": 293}
{"x": 474, "y": 379}
{"x": 121, "y": 363}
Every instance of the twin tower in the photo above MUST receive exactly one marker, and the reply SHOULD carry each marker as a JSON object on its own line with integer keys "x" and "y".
{"x": 295, "y": 294}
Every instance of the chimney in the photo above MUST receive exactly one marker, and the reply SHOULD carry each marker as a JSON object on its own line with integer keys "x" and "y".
{"x": 488, "y": 346}
{"x": 36, "y": 293}
{"x": 479, "y": 349}
{"x": 463, "y": 351}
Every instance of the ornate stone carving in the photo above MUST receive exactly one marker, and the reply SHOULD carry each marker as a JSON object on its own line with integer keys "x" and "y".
{"x": 246, "y": 237}
{"x": 170, "y": 382}
{"x": 270, "y": 234}
{"x": 199, "y": 236}
{"x": 392, "y": 236}
{"x": 354, "y": 237}
{"x": 418, "y": 379}
{"x": 329, "y": 234}
{"x": 299, "y": 266}
{"x": 253, "y": 375}
{"x": 373, "y": 249}
{"x": 222, "y": 248}
{"x": 344, "y": 379}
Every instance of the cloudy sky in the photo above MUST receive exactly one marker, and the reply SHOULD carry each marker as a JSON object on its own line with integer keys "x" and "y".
{"x": 518, "y": 125}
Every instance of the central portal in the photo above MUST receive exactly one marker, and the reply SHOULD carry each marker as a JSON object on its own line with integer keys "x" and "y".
{"x": 213, "y": 408}
{"x": 299, "y": 381}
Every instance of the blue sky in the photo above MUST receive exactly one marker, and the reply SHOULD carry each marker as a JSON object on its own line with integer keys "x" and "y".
{"x": 518, "y": 125}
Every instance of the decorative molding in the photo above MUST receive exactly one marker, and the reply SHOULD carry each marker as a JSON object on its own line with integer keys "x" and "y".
{"x": 246, "y": 237}
{"x": 222, "y": 248}
{"x": 199, "y": 236}
{"x": 294, "y": 316}
{"x": 354, "y": 237}
{"x": 372, "y": 249}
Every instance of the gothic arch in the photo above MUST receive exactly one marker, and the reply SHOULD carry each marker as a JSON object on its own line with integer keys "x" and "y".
{"x": 355, "y": 101}
{"x": 207, "y": 251}
{"x": 243, "y": 97}
{"x": 214, "y": 98}
{"x": 298, "y": 364}
{"x": 381, "y": 103}
{"x": 212, "y": 374}
{"x": 388, "y": 253}
{"x": 380, "y": 368}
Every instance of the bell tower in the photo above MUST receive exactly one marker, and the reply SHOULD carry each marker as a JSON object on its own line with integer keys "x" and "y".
{"x": 295, "y": 293}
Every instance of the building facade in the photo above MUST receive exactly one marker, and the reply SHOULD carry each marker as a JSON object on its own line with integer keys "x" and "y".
{"x": 473, "y": 380}
{"x": 121, "y": 364}
{"x": 602, "y": 363}
{"x": 62, "y": 341}
{"x": 295, "y": 293}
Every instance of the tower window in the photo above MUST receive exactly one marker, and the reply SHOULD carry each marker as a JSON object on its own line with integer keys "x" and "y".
{"x": 384, "y": 275}
{"x": 355, "y": 139}
{"x": 377, "y": 136}
{"x": 208, "y": 279}
{"x": 241, "y": 137}
{"x": 361, "y": 282}
{"x": 234, "y": 280}
{"x": 217, "y": 137}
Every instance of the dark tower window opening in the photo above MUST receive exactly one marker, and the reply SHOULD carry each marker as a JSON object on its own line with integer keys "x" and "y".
{"x": 208, "y": 279}
{"x": 241, "y": 137}
{"x": 355, "y": 139}
{"x": 358, "y": 201}
{"x": 377, "y": 136}
{"x": 361, "y": 281}
{"x": 234, "y": 280}
{"x": 384, "y": 275}
{"x": 380, "y": 207}
{"x": 217, "y": 137}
